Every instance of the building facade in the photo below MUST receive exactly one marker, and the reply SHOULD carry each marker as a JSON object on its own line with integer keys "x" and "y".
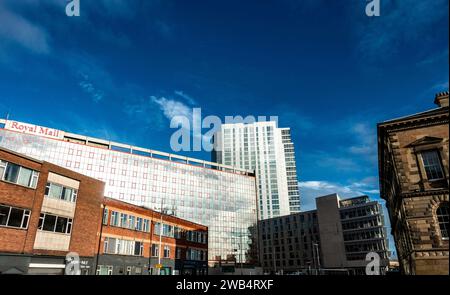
{"x": 218, "y": 196}
{"x": 269, "y": 151}
{"x": 46, "y": 212}
{"x": 334, "y": 238}
{"x": 133, "y": 242}
{"x": 413, "y": 167}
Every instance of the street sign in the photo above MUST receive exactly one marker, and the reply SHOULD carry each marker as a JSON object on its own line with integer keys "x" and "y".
{"x": 159, "y": 266}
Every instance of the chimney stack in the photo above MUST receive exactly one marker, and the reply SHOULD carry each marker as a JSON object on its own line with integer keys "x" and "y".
{"x": 441, "y": 99}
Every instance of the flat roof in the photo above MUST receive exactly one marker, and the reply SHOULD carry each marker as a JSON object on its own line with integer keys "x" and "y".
{"x": 133, "y": 149}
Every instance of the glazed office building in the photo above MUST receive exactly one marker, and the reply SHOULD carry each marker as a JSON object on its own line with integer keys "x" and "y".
{"x": 333, "y": 239}
{"x": 218, "y": 196}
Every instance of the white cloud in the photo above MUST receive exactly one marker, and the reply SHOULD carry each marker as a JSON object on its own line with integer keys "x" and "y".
{"x": 16, "y": 30}
{"x": 310, "y": 190}
{"x": 171, "y": 108}
{"x": 186, "y": 97}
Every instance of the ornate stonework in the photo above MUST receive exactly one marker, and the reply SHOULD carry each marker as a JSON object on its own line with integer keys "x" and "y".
{"x": 413, "y": 190}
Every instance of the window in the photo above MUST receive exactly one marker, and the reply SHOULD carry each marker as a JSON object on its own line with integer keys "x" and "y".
{"x": 52, "y": 223}
{"x": 442, "y": 216}
{"x": 104, "y": 270}
{"x": 2, "y": 168}
{"x": 123, "y": 220}
{"x": 17, "y": 174}
{"x": 12, "y": 172}
{"x": 14, "y": 217}
{"x": 155, "y": 250}
{"x": 138, "y": 248}
{"x": 139, "y": 223}
{"x": 146, "y": 225}
{"x": 432, "y": 165}
{"x": 178, "y": 253}
{"x": 166, "y": 251}
{"x": 114, "y": 218}
{"x": 131, "y": 222}
{"x": 60, "y": 192}
{"x": 105, "y": 216}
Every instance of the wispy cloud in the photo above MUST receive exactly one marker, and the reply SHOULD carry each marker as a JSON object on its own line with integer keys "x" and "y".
{"x": 90, "y": 89}
{"x": 186, "y": 97}
{"x": 171, "y": 108}
{"x": 18, "y": 31}
{"x": 310, "y": 190}
{"x": 432, "y": 59}
{"x": 367, "y": 141}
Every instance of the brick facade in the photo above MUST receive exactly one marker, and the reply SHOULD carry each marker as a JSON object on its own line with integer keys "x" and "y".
{"x": 20, "y": 242}
{"x": 412, "y": 198}
{"x": 146, "y": 261}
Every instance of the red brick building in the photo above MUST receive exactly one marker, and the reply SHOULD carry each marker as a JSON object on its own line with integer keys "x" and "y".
{"x": 132, "y": 242}
{"x": 46, "y": 211}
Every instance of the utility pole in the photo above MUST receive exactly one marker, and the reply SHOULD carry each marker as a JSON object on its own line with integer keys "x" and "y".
{"x": 240, "y": 254}
{"x": 160, "y": 236}
{"x": 316, "y": 257}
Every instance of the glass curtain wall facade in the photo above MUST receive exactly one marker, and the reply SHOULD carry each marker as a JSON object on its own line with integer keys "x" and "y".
{"x": 269, "y": 151}
{"x": 225, "y": 201}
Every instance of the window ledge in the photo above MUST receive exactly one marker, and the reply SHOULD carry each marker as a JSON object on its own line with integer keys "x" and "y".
{"x": 18, "y": 184}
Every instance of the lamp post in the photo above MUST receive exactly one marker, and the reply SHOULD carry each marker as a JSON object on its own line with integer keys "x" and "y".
{"x": 160, "y": 236}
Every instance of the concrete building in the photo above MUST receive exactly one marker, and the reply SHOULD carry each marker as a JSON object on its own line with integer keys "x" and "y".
{"x": 218, "y": 196}
{"x": 46, "y": 211}
{"x": 413, "y": 167}
{"x": 133, "y": 242}
{"x": 334, "y": 238}
{"x": 268, "y": 150}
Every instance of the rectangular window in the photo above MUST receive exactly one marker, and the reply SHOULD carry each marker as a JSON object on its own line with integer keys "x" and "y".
{"x": 114, "y": 218}
{"x": 432, "y": 165}
{"x": 139, "y": 224}
{"x": 166, "y": 251}
{"x": 146, "y": 225}
{"x": 14, "y": 217}
{"x": 123, "y": 220}
{"x": 155, "y": 250}
{"x": 12, "y": 172}
{"x": 104, "y": 270}
{"x": 52, "y": 223}
{"x": 17, "y": 174}
{"x": 2, "y": 168}
{"x": 138, "y": 248}
{"x": 105, "y": 216}
{"x": 131, "y": 222}
{"x": 60, "y": 192}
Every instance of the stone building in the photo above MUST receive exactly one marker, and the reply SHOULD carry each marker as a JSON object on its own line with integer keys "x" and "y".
{"x": 413, "y": 168}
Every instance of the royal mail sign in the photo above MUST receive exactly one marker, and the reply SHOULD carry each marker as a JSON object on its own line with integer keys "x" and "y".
{"x": 34, "y": 129}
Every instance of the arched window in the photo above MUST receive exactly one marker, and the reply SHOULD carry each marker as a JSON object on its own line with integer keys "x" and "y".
{"x": 442, "y": 216}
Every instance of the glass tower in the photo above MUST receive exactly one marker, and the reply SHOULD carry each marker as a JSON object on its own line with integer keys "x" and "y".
{"x": 269, "y": 151}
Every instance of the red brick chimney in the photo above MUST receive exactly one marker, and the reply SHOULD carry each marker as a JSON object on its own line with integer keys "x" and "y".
{"x": 441, "y": 99}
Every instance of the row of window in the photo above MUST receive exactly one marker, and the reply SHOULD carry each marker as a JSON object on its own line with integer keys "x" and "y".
{"x": 126, "y": 221}
{"x": 14, "y": 217}
{"x": 17, "y": 174}
{"x": 123, "y": 247}
{"x": 155, "y": 251}
{"x": 54, "y": 223}
{"x": 59, "y": 192}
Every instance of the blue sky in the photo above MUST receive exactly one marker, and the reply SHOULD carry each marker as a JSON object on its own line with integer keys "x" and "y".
{"x": 123, "y": 68}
